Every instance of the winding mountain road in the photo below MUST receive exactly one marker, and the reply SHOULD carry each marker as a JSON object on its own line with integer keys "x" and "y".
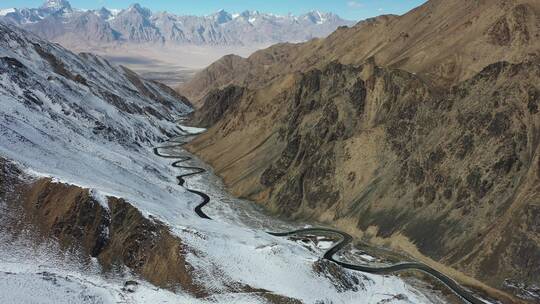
{"x": 182, "y": 181}
{"x": 346, "y": 238}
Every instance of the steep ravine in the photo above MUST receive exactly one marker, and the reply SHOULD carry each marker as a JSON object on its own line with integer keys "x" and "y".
{"x": 446, "y": 174}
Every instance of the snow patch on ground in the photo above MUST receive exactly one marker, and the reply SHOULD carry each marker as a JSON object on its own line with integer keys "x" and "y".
{"x": 193, "y": 130}
{"x": 101, "y": 198}
{"x": 31, "y": 288}
{"x": 42, "y": 273}
{"x": 367, "y": 257}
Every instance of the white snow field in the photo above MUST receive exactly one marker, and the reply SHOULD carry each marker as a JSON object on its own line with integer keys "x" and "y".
{"x": 95, "y": 127}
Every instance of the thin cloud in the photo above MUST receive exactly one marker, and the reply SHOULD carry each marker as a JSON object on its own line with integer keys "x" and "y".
{"x": 354, "y": 4}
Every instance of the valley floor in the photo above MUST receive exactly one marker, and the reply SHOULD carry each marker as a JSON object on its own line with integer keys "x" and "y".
{"x": 171, "y": 65}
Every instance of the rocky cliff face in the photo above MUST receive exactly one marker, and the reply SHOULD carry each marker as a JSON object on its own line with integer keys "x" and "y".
{"x": 116, "y": 234}
{"x": 380, "y": 151}
{"x": 441, "y": 168}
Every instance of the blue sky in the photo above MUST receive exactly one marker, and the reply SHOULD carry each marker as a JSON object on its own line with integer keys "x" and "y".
{"x": 349, "y": 9}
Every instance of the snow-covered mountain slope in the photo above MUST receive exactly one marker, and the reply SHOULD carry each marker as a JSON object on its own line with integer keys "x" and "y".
{"x": 87, "y": 123}
{"x": 58, "y": 21}
{"x": 79, "y": 114}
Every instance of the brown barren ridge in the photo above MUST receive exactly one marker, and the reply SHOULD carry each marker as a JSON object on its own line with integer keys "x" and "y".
{"x": 418, "y": 132}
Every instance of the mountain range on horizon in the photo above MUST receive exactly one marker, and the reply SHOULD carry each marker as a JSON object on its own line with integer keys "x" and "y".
{"x": 58, "y": 21}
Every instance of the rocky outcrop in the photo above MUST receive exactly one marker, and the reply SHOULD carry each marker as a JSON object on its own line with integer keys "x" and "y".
{"x": 384, "y": 153}
{"x": 116, "y": 233}
{"x": 513, "y": 28}
{"x": 216, "y": 104}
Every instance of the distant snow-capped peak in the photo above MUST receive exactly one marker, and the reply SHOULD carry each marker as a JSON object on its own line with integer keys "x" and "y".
{"x": 221, "y": 16}
{"x": 56, "y": 5}
{"x": 6, "y": 11}
{"x": 54, "y": 20}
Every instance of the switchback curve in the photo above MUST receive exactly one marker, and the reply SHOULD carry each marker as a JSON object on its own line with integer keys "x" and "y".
{"x": 181, "y": 178}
